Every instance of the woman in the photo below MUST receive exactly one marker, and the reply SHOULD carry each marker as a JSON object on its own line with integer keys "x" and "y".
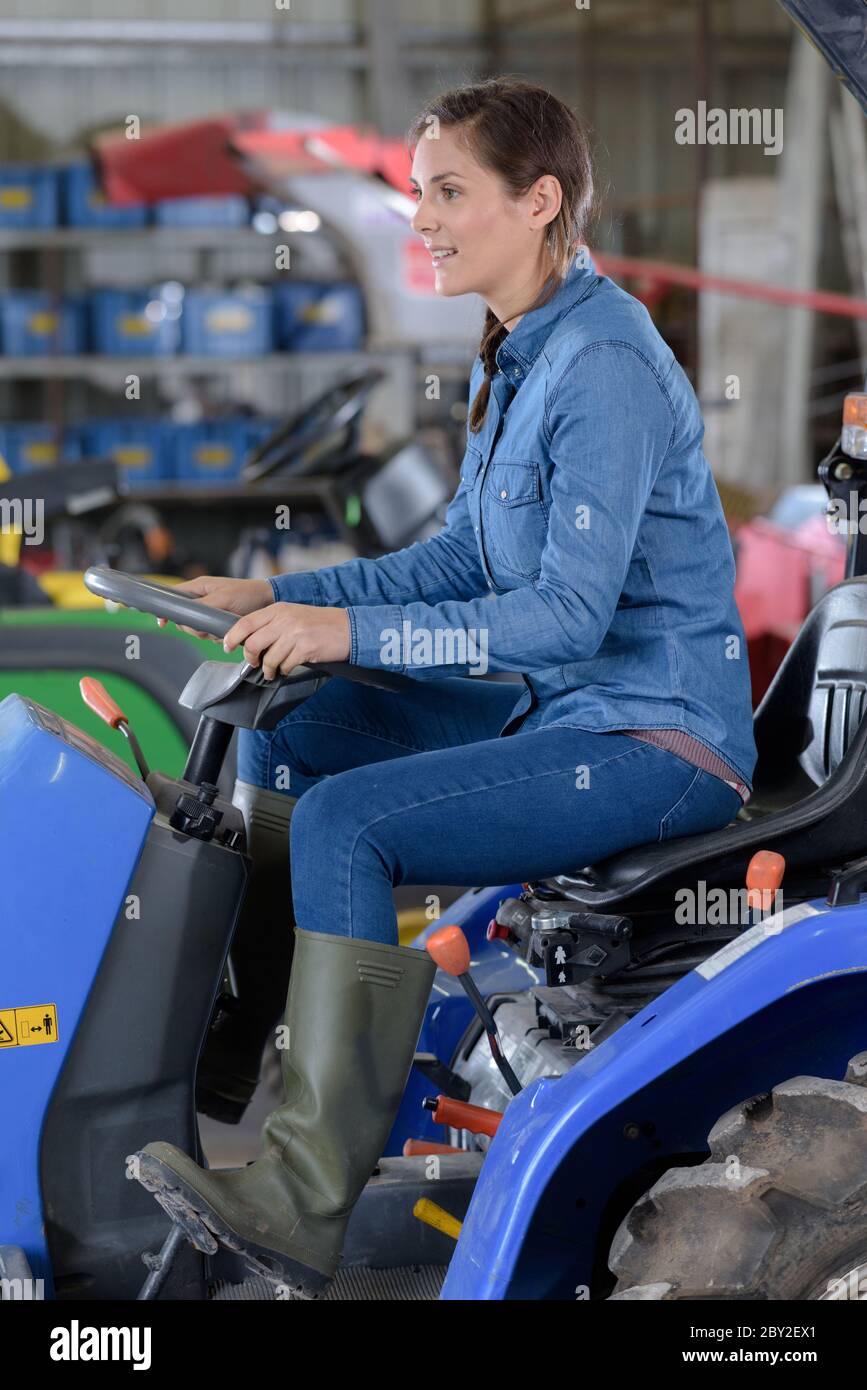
{"x": 584, "y": 548}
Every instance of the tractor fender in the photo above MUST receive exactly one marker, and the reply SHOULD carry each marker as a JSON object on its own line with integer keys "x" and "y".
{"x": 784, "y": 998}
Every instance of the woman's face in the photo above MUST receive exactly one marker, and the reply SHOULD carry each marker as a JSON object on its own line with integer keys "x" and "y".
{"x": 494, "y": 243}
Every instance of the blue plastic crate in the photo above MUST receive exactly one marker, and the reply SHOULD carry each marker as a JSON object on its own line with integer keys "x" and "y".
{"x": 258, "y": 428}
{"x": 28, "y": 195}
{"x": 84, "y": 205}
{"x": 319, "y": 317}
{"x": 234, "y": 323}
{"x": 133, "y": 323}
{"x": 227, "y": 211}
{"x": 139, "y": 447}
{"x": 29, "y": 446}
{"x": 32, "y": 325}
{"x": 211, "y": 452}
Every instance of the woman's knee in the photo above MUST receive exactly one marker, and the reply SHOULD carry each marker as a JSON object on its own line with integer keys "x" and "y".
{"x": 274, "y": 759}
{"x": 329, "y": 814}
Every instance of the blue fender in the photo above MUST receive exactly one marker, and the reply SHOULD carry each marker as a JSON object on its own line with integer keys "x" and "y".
{"x": 71, "y": 831}
{"x": 786, "y": 998}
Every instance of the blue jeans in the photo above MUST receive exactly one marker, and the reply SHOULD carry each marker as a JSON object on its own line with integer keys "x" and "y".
{"x": 418, "y": 788}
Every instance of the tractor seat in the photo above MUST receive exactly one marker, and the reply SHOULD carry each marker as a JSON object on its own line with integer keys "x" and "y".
{"x": 809, "y": 799}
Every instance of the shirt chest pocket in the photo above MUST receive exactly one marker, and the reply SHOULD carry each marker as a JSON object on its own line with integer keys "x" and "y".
{"x": 515, "y": 516}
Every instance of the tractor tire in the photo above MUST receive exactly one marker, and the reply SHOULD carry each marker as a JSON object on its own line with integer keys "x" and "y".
{"x": 778, "y": 1210}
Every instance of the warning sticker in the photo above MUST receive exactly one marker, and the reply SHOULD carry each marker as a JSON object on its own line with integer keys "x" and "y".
{"x": 24, "y": 1027}
{"x": 769, "y": 926}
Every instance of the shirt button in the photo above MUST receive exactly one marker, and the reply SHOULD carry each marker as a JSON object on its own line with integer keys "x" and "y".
{"x": 477, "y": 528}
{"x": 504, "y": 493}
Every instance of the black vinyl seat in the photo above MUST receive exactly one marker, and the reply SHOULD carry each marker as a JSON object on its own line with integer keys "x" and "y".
{"x": 809, "y": 798}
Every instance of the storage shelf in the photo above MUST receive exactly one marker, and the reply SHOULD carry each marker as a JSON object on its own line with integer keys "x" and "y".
{"x": 96, "y": 367}
{"x": 274, "y": 490}
{"x": 77, "y": 238}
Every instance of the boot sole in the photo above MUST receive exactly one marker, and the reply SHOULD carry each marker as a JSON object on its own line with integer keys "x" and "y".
{"x": 205, "y": 1229}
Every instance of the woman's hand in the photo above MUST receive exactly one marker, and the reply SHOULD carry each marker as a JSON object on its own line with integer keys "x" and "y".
{"x": 239, "y": 596}
{"x": 285, "y": 635}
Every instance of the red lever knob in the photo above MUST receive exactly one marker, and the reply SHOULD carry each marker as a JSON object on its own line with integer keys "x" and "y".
{"x": 414, "y": 1148}
{"x": 496, "y": 931}
{"x": 461, "y": 1115}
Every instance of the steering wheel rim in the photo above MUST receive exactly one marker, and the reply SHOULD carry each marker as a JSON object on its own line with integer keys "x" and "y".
{"x": 162, "y": 601}
{"x": 329, "y": 413}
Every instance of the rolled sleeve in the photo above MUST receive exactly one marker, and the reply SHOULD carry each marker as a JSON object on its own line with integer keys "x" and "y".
{"x": 297, "y": 588}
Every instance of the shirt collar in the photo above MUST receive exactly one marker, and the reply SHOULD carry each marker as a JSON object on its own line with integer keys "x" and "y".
{"x": 520, "y": 348}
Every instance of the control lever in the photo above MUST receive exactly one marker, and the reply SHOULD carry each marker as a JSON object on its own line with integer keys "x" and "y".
{"x": 449, "y": 948}
{"x": 459, "y": 1114}
{"x": 764, "y": 876}
{"x": 97, "y": 698}
{"x": 417, "y": 1148}
{"x": 575, "y": 946}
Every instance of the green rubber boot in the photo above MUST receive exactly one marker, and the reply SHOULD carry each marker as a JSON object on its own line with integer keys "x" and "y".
{"x": 261, "y": 953}
{"x": 352, "y": 1021}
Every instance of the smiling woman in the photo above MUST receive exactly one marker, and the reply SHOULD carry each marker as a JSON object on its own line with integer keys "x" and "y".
{"x": 585, "y": 548}
{"x": 494, "y": 225}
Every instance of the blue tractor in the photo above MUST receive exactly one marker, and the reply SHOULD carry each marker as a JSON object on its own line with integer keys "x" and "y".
{"x": 614, "y": 1064}
{"x": 613, "y": 1061}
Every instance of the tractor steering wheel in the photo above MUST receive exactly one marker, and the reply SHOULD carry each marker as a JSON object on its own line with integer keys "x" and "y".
{"x": 162, "y": 601}
{"x": 319, "y": 429}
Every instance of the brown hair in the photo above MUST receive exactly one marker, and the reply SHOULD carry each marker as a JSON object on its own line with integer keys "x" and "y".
{"x": 521, "y": 132}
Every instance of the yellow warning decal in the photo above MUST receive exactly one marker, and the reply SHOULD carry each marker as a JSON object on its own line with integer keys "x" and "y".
{"x": 24, "y": 1027}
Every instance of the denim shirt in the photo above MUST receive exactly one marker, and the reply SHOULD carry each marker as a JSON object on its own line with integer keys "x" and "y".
{"x": 585, "y": 546}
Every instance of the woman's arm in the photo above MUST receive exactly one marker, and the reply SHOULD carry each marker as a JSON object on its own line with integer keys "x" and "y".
{"x": 445, "y": 567}
{"x": 609, "y": 422}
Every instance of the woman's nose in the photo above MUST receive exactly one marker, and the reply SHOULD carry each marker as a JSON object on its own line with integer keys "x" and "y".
{"x": 421, "y": 219}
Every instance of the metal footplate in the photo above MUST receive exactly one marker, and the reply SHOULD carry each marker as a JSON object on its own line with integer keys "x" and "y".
{"x": 411, "y": 1283}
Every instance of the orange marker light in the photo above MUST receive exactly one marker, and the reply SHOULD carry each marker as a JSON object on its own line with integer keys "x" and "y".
{"x": 853, "y": 439}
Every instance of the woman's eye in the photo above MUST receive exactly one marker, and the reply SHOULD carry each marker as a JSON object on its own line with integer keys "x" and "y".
{"x": 415, "y": 193}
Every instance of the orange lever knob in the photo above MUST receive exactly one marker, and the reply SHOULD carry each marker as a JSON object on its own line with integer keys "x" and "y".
{"x": 450, "y": 950}
{"x": 764, "y": 876}
{"x": 416, "y": 1148}
{"x": 461, "y": 1115}
{"x": 97, "y": 698}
